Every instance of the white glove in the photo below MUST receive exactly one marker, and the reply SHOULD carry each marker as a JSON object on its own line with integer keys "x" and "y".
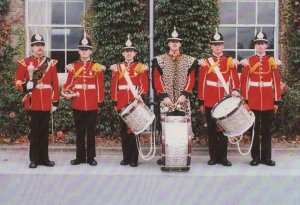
{"x": 278, "y": 62}
{"x": 244, "y": 62}
{"x": 201, "y": 62}
{"x": 181, "y": 99}
{"x": 113, "y": 68}
{"x": 29, "y": 85}
{"x": 53, "y": 108}
{"x": 235, "y": 93}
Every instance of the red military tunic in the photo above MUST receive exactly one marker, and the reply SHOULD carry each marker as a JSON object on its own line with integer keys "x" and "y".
{"x": 87, "y": 80}
{"x": 260, "y": 83}
{"x": 210, "y": 89}
{"x": 120, "y": 92}
{"x": 46, "y": 91}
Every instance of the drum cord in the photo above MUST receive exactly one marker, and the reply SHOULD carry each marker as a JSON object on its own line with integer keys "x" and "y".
{"x": 152, "y": 150}
{"x": 238, "y": 142}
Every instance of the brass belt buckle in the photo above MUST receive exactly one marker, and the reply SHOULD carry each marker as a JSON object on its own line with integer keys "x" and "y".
{"x": 84, "y": 86}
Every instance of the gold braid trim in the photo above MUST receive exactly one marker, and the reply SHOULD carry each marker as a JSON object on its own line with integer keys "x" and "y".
{"x": 211, "y": 68}
{"x": 121, "y": 75}
{"x": 252, "y": 69}
{"x": 78, "y": 71}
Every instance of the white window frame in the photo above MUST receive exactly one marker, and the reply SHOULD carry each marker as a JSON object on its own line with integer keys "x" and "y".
{"x": 48, "y": 48}
{"x": 256, "y": 26}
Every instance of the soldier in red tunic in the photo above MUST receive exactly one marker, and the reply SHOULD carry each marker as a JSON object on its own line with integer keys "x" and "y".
{"x": 36, "y": 77}
{"x": 211, "y": 91}
{"x": 174, "y": 79}
{"x": 260, "y": 87}
{"x": 121, "y": 96}
{"x": 85, "y": 80}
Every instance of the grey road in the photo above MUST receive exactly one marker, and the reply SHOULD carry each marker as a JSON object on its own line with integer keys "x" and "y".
{"x": 109, "y": 183}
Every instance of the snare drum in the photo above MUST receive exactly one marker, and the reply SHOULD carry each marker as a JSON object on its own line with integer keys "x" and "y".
{"x": 232, "y": 116}
{"x": 137, "y": 116}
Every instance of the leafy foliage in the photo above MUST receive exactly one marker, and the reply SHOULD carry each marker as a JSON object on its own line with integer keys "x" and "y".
{"x": 288, "y": 119}
{"x": 4, "y": 4}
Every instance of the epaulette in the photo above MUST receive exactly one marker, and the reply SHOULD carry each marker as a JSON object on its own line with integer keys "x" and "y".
{"x": 22, "y": 62}
{"x": 272, "y": 62}
{"x": 97, "y": 67}
{"x": 139, "y": 68}
{"x": 230, "y": 62}
{"x": 53, "y": 62}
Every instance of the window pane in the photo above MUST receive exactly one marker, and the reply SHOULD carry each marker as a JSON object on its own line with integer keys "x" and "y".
{"x": 58, "y": 38}
{"x": 244, "y": 54}
{"x": 246, "y": 12}
{"x": 271, "y": 53}
{"x": 35, "y": 8}
{"x": 266, "y": 13}
{"x": 230, "y": 53}
{"x": 245, "y": 36}
{"x": 228, "y": 13}
{"x": 58, "y": 13}
{"x": 60, "y": 56}
{"x": 73, "y": 37}
{"x": 74, "y": 12}
{"x": 72, "y": 56}
{"x": 270, "y": 35}
{"x": 229, "y": 37}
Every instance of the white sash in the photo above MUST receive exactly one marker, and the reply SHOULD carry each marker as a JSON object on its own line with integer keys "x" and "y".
{"x": 219, "y": 74}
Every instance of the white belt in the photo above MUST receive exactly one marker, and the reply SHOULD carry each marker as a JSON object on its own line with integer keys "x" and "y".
{"x": 216, "y": 84}
{"x": 43, "y": 86}
{"x": 84, "y": 86}
{"x": 260, "y": 84}
{"x": 125, "y": 87}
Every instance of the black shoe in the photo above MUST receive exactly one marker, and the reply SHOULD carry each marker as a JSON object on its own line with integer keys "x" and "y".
{"x": 254, "y": 162}
{"x": 123, "y": 163}
{"x": 47, "y": 163}
{"x": 133, "y": 164}
{"x": 268, "y": 162}
{"x": 159, "y": 161}
{"x": 75, "y": 162}
{"x": 212, "y": 162}
{"x": 92, "y": 162}
{"x": 33, "y": 164}
{"x": 225, "y": 162}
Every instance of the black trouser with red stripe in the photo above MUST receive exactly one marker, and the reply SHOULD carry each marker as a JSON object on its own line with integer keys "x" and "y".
{"x": 217, "y": 141}
{"x": 39, "y": 133}
{"x": 261, "y": 149}
{"x": 85, "y": 124}
{"x": 129, "y": 145}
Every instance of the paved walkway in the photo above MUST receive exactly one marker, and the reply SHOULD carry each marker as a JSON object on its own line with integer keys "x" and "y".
{"x": 110, "y": 183}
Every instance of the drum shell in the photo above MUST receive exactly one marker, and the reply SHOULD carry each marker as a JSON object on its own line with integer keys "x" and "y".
{"x": 137, "y": 116}
{"x": 176, "y": 142}
{"x": 235, "y": 123}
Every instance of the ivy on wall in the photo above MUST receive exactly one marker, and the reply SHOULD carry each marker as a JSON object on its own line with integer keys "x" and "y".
{"x": 288, "y": 119}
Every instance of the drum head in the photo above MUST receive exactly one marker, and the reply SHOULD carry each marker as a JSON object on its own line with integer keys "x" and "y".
{"x": 225, "y": 107}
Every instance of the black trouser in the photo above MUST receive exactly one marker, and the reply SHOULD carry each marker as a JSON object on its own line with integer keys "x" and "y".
{"x": 263, "y": 122}
{"x": 39, "y": 133}
{"x": 129, "y": 145}
{"x": 217, "y": 142}
{"x": 85, "y": 124}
